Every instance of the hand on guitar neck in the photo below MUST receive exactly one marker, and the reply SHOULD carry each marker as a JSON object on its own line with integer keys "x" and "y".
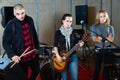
{"x": 81, "y": 43}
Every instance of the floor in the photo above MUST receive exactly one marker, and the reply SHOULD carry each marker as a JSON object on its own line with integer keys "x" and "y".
{"x": 86, "y": 67}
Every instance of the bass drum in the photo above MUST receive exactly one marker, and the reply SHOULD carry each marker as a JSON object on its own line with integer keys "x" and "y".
{"x": 46, "y": 70}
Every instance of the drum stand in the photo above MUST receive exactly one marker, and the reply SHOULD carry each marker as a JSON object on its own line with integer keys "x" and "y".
{"x": 86, "y": 51}
{"x": 54, "y": 75}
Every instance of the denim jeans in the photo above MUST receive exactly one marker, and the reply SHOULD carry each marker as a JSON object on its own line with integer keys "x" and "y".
{"x": 72, "y": 67}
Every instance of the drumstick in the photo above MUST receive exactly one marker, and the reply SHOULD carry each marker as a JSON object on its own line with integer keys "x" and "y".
{"x": 24, "y": 55}
{"x": 29, "y": 52}
{"x": 20, "y": 57}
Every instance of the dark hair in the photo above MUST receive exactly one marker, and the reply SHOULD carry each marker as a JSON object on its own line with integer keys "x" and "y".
{"x": 66, "y": 15}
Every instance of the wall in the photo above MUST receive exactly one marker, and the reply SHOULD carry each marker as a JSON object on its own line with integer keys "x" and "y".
{"x": 47, "y": 15}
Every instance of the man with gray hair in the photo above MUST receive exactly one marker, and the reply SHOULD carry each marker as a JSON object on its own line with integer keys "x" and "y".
{"x": 20, "y": 37}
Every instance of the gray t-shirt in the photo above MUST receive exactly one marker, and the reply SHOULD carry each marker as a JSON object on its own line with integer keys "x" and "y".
{"x": 103, "y": 31}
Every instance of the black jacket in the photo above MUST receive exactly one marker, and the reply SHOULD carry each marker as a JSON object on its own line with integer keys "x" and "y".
{"x": 12, "y": 37}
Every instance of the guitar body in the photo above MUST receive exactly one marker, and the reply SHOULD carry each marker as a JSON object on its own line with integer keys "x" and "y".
{"x": 60, "y": 66}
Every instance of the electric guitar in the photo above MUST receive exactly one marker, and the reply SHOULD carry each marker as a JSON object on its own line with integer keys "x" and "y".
{"x": 60, "y": 66}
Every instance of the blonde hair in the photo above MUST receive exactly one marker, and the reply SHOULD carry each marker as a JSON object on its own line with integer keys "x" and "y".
{"x": 97, "y": 21}
{"x": 18, "y": 7}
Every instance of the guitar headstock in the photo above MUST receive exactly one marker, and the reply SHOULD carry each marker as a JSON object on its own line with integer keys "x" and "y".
{"x": 85, "y": 36}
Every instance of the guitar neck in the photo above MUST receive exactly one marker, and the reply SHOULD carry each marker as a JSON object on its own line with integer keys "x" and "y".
{"x": 85, "y": 37}
{"x": 72, "y": 50}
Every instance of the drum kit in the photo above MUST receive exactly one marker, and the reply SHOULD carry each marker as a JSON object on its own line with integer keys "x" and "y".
{"x": 46, "y": 63}
{"x": 43, "y": 53}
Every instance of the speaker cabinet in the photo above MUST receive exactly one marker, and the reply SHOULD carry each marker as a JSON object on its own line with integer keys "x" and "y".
{"x": 7, "y": 14}
{"x": 81, "y": 14}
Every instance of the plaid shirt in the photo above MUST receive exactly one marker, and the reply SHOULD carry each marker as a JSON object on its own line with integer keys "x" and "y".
{"x": 28, "y": 42}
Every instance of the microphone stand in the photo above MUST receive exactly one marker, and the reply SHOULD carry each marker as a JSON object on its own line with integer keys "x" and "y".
{"x": 85, "y": 42}
{"x": 85, "y": 31}
{"x": 103, "y": 41}
{"x": 86, "y": 56}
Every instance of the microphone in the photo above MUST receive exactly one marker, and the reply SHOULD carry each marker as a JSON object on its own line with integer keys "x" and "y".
{"x": 83, "y": 24}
